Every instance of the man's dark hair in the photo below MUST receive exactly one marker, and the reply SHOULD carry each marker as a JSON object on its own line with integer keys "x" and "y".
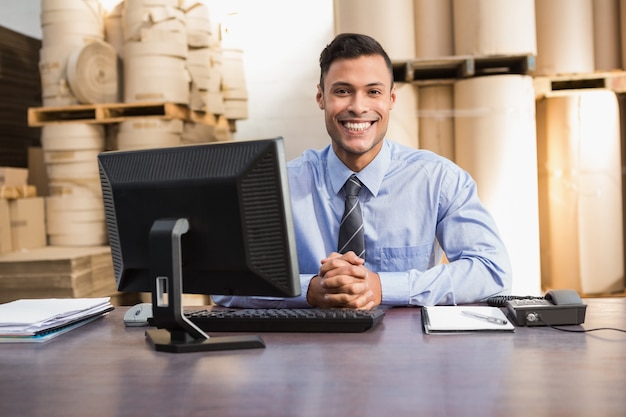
{"x": 351, "y": 45}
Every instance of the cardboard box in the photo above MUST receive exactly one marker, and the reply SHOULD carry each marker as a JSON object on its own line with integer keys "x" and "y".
{"x": 5, "y": 227}
{"x": 13, "y": 177}
{"x": 28, "y": 225}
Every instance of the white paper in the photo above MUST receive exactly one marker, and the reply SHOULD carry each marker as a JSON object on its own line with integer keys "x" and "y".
{"x": 31, "y": 315}
{"x": 449, "y": 319}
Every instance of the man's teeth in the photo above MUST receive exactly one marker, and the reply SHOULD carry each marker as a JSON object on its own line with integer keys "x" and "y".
{"x": 357, "y": 126}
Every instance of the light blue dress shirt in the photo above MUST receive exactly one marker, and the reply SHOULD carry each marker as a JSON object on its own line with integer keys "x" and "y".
{"x": 416, "y": 206}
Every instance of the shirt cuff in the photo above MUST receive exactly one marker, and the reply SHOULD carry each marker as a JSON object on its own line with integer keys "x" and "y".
{"x": 395, "y": 288}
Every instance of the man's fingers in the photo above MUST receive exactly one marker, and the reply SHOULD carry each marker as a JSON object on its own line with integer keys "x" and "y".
{"x": 363, "y": 301}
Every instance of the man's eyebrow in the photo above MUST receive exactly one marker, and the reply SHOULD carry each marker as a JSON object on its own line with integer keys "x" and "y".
{"x": 347, "y": 84}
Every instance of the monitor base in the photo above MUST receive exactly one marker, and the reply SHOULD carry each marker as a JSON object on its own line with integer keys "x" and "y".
{"x": 162, "y": 341}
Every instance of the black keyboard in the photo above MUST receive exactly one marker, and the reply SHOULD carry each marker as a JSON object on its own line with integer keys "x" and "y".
{"x": 285, "y": 320}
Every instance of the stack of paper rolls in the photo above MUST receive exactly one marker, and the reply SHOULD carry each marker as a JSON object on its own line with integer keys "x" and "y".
{"x": 76, "y": 66}
{"x": 495, "y": 141}
{"x": 203, "y": 42}
{"x": 74, "y": 209}
{"x": 434, "y": 38}
{"x": 155, "y": 52}
{"x": 580, "y": 189}
{"x": 67, "y": 26}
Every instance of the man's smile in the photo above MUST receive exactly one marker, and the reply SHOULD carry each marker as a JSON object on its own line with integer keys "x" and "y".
{"x": 360, "y": 126}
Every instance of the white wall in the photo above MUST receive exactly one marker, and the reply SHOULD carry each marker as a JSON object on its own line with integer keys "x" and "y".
{"x": 281, "y": 40}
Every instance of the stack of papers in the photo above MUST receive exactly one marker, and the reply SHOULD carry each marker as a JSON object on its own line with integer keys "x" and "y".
{"x": 39, "y": 320}
{"x": 460, "y": 319}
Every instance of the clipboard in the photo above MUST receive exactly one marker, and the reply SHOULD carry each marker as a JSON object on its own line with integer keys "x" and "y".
{"x": 464, "y": 319}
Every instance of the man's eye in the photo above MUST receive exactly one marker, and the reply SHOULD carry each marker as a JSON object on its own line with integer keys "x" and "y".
{"x": 342, "y": 91}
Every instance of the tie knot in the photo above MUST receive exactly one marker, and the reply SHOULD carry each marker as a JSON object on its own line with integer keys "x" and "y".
{"x": 352, "y": 186}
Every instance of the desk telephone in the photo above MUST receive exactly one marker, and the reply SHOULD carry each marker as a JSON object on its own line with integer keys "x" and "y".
{"x": 557, "y": 307}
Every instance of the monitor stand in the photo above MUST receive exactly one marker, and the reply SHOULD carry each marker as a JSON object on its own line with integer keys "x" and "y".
{"x": 175, "y": 333}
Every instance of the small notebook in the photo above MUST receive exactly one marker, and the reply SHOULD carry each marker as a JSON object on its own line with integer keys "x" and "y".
{"x": 461, "y": 319}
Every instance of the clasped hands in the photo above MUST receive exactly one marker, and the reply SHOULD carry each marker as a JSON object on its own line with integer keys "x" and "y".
{"x": 344, "y": 282}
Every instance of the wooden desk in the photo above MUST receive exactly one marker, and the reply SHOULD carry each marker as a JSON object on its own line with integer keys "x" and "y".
{"x": 105, "y": 369}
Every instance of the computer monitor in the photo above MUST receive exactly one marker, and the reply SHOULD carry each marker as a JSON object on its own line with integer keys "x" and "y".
{"x": 213, "y": 218}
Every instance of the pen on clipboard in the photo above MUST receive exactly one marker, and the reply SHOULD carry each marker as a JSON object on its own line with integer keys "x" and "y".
{"x": 485, "y": 317}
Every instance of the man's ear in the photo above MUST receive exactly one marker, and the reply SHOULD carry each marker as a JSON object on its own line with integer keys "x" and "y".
{"x": 393, "y": 96}
{"x": 319, "y": 97}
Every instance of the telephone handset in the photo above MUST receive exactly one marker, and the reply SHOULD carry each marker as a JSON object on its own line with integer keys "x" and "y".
{"x": 556, "y": 308}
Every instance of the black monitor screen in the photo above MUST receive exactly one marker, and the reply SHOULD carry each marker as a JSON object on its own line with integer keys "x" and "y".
{"x": 235, "y": 198}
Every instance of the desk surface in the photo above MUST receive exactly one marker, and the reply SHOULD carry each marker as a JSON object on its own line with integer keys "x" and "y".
{"x": 106, "y": 369}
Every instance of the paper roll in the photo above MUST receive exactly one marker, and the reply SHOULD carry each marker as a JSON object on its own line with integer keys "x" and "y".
{"x": 403, "y": 125}
{"x": 79, "y": 216}
{"x": 564, "y": 36}
{"x": 389, "y": 22}
{"x": 147, "y": 126}
{"x": 155, "y": 78}
{"x": 92, "y": 72}
{"x": 580, "y": 189}
{"x": 76, "y": 188}
{"x": 495, "y": 141}
{"x": 73, "y": 171}
{"x": 55, "y": 90}
{"x": 55, "y": 226}
{"x": 71, "y": 22}
{"x": 79, "y": 239}
{"x": 72, "y": 136}
{"x": 72, "y": 203}
{"x": 494, "y": 27}
{"x": 606, "y": 35}
{"x": 140, "y": 140}
{"x": 197, "y": 133}
{"x": 68, "y": 156}
{"x": 436, "y": 119}
{"x": 162, "y": 45}
{"x": 53, "y": 64}
{"x": 434, "y": 34}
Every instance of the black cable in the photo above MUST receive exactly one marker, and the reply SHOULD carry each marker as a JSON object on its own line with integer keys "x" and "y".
{"x": 580, "y": 330}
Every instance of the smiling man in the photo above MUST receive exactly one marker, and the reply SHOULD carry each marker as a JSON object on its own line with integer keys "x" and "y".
{"x": 413, "y": 206}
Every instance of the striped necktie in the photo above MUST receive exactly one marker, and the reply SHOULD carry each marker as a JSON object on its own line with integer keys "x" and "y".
{"x": 351, "y": 236}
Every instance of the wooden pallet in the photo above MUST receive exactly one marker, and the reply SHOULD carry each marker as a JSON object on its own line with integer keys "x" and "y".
{"x": 611, "y": 80}
{"x": 116, "y": 112}
{"x": 449, "y": 69}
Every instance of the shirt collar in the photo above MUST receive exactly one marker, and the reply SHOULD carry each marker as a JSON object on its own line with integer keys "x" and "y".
{"x": 371, "y": 176}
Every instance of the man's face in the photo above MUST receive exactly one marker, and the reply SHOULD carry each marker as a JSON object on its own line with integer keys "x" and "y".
{"x": 357, "y": 97}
